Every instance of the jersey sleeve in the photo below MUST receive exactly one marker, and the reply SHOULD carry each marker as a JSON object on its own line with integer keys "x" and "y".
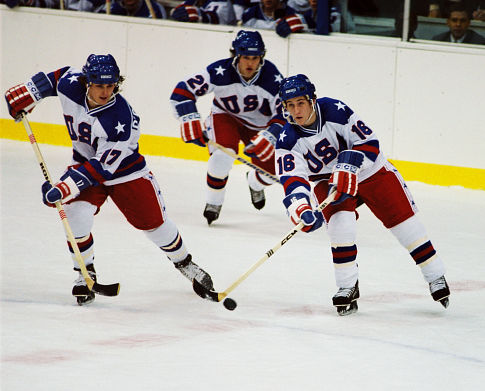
{"x": 351, "y": 129}
{"x": 42, "y": 85}
{"x": 290, "y": 163}
{"x": 187, "y": 91}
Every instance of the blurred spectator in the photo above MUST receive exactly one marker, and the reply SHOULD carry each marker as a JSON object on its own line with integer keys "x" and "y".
{"x": 311, "y": 16}
{"x": 274, "y": 15}
{"x": 242, "y": 5}
{"x": 300, "y": 6}
{"x": 459, "y": 32}
{"x": 84, "y": 5}
{"x": 31, "y": 3}
{"x": 205, "y": 11}
{"x": 136, "y": 8}
{"x": 441, "y": 8}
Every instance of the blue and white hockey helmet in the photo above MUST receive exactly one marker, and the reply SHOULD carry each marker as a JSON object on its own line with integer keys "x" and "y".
{"x": 101, "y": 69}
{"x": 248, "y": 43}
{"x": 295, "y": 86}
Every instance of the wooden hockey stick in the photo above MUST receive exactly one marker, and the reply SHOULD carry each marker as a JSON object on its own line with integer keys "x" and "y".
{"x": 242, "y": 160}
{"x": 106, "y": 290}
{"x": 108, "y": 7}
{"x": 218, "y": 296}
{"x": 150, "y": 8}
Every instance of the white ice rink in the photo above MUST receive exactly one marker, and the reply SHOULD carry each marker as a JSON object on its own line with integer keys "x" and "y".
{"x": 284, "y": 335}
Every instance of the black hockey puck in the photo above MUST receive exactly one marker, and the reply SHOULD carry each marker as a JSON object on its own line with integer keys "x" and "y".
{"x": 229, "y": 304}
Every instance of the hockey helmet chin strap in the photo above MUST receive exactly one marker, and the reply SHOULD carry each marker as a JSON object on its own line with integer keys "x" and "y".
{"x": 289, "y": 118}
{"x": 109, "y": 100}
{"x": 235, "y": 61}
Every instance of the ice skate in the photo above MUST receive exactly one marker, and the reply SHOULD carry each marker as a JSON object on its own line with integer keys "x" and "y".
{"x": 257, "y": 197}
{"x": 211, "y": 212}
{"x": 440, "y": 291}
{"x": 191, "y": 270}
{"x": 346, "y": 300}
{"x": 80, "y": 289}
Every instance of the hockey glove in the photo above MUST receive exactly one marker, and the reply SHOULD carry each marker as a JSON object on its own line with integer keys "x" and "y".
{"x": 299, "y": 209}
{"x": 186, "y": 13}
{"x": 191, "y": 127}
{"x": 68, "y": 188}
{"x": 20, "y": 99}
{"x": 261, "y": 146}
{"x": 289, "y": 24}
{"x": 344, "y": 176}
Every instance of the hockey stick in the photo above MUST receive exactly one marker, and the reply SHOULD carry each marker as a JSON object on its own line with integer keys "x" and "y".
{"x": 150, "y": 8}
{"x": 108, "y": 7}
{"x": 242, "y": 160}
{"x": 218, "y": 296}
{"x": 106, "y": 290}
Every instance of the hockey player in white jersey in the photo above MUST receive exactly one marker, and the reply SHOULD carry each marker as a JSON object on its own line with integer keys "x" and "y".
{"x": 245, "y": 108}
{"x": 324, "y": 147}
{"x": 104, "y": 130}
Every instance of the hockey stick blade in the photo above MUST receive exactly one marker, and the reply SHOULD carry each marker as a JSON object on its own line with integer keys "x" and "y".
{"x": 106, "y": 290}
{"x": 205, "y": 293}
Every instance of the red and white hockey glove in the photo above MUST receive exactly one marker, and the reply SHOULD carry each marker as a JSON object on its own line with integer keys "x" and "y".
{"x": 20, "y": 99}
{"x": 186, "y": 13}
{"x": 68, "y": 188}
{"x": 290, "y": 24}
{"x": 192, "y": 129}
{"x": 261, "y": 146}
{"x": 344, "y": 176}
{"x": 299, "y": 209}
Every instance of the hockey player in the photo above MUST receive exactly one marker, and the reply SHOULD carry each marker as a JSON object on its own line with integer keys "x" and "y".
{"x": 325, "y": 143}
{"x": 104, "y": 131}
{"x": 205, "y": 11}
{"x": 245, "y": 108}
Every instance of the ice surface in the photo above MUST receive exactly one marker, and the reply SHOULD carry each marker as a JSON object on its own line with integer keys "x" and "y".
{"x": 284, "y": 334}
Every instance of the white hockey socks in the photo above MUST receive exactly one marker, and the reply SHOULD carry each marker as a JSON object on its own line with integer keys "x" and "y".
{"x": 168, "y": 238}
{"x": 217, "y": 175}
{"x": 412, "y": 236}
{"x": 342, "y": 232}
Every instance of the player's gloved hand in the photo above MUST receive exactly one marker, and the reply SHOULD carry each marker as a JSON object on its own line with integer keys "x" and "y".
{"x": 68, "y": 188}
{"x": 261, "y": 146}
{"x": 19, "y": 99}
{"x": 185, "y": 13}
{"x": 289, "y": 24}
{"x": 344, "y": 175}
{"x": 299, "y": 209}
{"x": 191, "y": 128}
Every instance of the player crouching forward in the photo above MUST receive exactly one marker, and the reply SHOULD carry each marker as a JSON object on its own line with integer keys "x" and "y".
{"x": 104, "y": 131}
{"x": 326, "y": 143}
{"x": 245, "y": 108}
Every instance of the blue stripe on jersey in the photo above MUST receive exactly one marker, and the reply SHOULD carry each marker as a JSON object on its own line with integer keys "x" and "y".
{"x": 129, "y": 165}
{"x": 290, "y": 183}
{"x": 370, "y": 149}
{"x": 181, "y": 93}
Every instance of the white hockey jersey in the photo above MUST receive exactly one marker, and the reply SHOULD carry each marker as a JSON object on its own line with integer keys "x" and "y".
{"x": 255, "y": 104}
{"x": 104, "y": 139}
{"x": 305, "y": 155}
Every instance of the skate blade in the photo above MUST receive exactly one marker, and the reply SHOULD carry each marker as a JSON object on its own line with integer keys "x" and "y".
{"x": 84, "y": 300}
{"x": 445, "y": 302}
{"x": 347, "y": 310}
